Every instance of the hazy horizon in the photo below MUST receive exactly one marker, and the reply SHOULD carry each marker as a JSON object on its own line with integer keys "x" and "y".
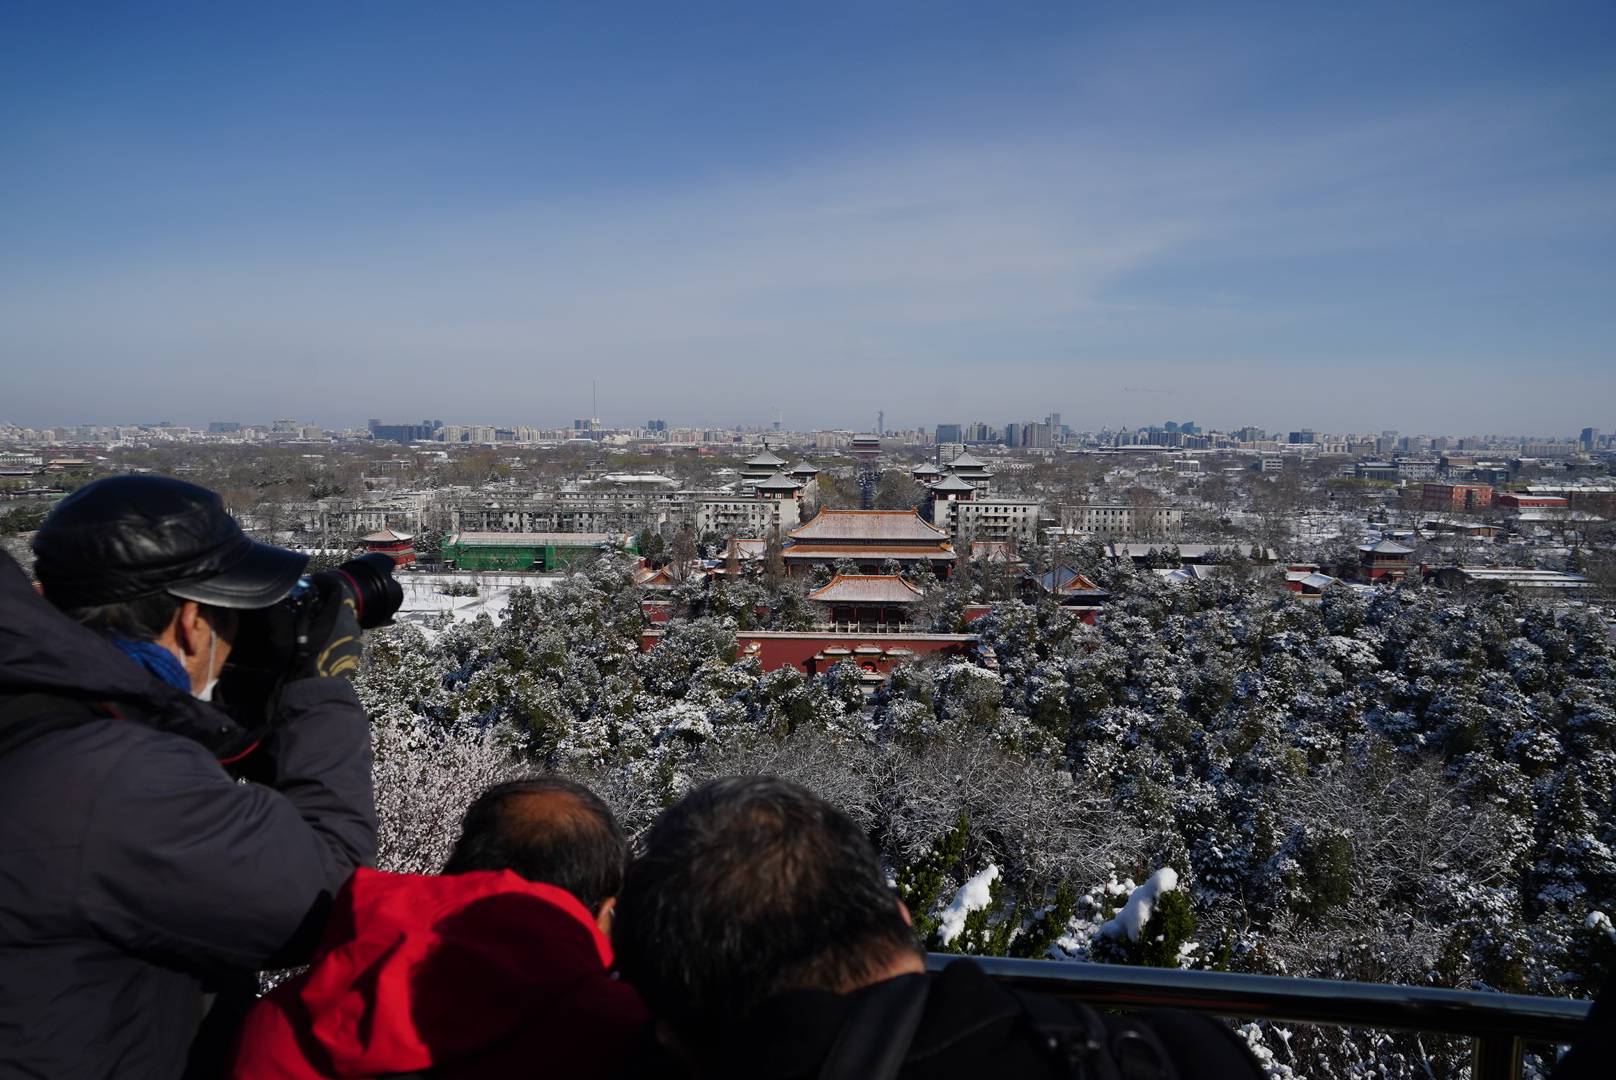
{"x": 1381, "y": 217}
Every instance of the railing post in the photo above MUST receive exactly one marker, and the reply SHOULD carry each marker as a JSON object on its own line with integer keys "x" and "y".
{"x": 1496, "y": 1057}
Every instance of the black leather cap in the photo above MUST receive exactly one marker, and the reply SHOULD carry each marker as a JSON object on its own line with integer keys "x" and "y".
{"x": 128, "y": 537}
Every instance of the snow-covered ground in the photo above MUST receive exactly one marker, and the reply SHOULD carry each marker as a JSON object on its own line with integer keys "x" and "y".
{"x": 424, "y": 599}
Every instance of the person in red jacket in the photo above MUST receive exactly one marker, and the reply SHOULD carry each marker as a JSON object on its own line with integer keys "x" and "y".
{"x": 500, "y": 966}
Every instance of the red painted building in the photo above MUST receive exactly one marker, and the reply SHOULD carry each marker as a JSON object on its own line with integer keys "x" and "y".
{"x": 814, "y": 651}
{"x": 1471, "y": 497}
{"x": 1516, "y": 501}
{"x": 1384, "y": 559}
{"x": 868, "y": 603}
{"x": 399, "y": 546}
{"x": 868, "y": 538}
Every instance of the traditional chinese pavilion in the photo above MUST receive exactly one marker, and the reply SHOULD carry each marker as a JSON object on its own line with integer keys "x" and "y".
{"x": 400, "y": 547}
{"x": 761, "y": 466}
{"x": 869, "y": 538}
{"x": 1074, "y": 592}
{"x": 972, "y": 470}
{"x": 1384, "y": 560}
{"x": 868, "y": 603}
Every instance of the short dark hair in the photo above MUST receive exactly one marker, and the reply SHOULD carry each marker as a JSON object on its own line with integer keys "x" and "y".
{"x": 546, "y": 829}
{"x": 141, "y": 619}
{"x": 750, "y": 886}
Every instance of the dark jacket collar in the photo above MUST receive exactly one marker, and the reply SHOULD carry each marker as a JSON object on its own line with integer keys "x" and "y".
{"x": 43, "y": 651}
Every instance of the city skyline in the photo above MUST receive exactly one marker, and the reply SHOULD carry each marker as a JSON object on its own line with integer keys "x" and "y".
{"x": 993, "y": 430}
{"x": 1351, "y": 220}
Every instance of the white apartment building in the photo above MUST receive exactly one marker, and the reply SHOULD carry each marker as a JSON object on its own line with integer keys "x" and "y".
{"x": 1115, "y": 520}
{"x": 987, "y": 518}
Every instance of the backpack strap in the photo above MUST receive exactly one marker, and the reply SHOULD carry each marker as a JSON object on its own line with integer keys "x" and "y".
{"x": 875, "y": 1038}
{"x": 26, "y": 717}
{"x": 1088, "y": 1045}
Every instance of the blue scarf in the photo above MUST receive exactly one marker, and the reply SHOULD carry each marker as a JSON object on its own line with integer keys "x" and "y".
{"x": 157, "y": 660}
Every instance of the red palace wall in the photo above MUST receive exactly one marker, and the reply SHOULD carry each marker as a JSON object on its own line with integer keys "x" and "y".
{"x": 779, "y": 649}
{"x": 402, "y": 554}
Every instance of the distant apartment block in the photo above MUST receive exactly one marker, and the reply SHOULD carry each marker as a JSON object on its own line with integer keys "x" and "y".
{"x": 972, "y": 519}
{"x": 1376, "y": 470}
{"x": 1456, "y": 497}
{"x": 1119, "y": 520}
{"x": 402, "y": 433}
{"x": 745, "y": 517}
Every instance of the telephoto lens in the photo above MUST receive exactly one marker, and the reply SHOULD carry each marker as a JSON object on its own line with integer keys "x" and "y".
{"x": 368, "y": 581}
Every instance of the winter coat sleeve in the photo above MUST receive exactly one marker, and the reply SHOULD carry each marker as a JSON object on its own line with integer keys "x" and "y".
{"x": 184, "y": 863}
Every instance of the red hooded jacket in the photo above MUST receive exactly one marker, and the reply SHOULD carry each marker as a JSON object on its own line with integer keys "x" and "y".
{"x": 482, "y": 974}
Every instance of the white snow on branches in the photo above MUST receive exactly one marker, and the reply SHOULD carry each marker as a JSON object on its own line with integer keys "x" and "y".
{"x": 1131, "y": 920}
{"x": 974, "y": 895}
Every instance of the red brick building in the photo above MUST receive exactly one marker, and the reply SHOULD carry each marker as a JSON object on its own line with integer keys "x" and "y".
{"x": 1516, "y": 501}
{"x": 1461, "y": 497}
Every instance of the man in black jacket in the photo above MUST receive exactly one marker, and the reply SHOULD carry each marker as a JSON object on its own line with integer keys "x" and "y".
{"x": 137, "y": 877}
{"x": 761, "y": 930}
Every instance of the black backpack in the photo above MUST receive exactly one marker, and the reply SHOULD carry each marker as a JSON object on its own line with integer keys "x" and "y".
{"x": 1079, "y": 1041}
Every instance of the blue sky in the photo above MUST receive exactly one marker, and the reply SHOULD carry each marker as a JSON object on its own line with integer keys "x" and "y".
{"x": 1346, "y": 216}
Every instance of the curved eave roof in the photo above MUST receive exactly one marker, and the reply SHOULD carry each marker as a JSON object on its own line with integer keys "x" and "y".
{"x": 779, "y": 482}
{"x": 874, "y": 526}
{"x": 867, "y": 589}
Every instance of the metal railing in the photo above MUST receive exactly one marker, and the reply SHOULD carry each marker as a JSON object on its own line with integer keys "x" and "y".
{"x": 1498, "y": 1025}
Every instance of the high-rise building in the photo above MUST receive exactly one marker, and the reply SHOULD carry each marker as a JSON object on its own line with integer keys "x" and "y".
{"x": 949, "y": 433}
{"x": 403, "y": 433}
{"x": 1590, "y": 438}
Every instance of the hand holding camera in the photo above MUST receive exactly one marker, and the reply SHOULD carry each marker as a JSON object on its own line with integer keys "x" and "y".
{"x": 315, "y": 632}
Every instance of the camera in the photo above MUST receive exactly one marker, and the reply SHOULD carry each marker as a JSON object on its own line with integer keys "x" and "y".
{"x": 367, "y": 581}
{"x": 270, "y": 643}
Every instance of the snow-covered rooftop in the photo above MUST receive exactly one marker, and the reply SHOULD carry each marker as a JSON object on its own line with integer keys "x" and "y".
{"x": 867, "y": 589}
{"x": 879, "y": 526}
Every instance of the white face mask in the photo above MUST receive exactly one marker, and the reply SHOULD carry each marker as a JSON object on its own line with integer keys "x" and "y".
{"x": 206, "y": 693}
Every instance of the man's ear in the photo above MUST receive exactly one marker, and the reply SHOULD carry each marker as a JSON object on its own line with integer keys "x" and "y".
{"x": 605, "y": 914}
{"x": 188, "y": 629}
{"x": 903, "y": 910}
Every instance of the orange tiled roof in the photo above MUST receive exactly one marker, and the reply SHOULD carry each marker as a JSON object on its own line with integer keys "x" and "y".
{"x": 867, "y": 589}
{"x": 877, "y": 526}
{"x": 831, "y": 552}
